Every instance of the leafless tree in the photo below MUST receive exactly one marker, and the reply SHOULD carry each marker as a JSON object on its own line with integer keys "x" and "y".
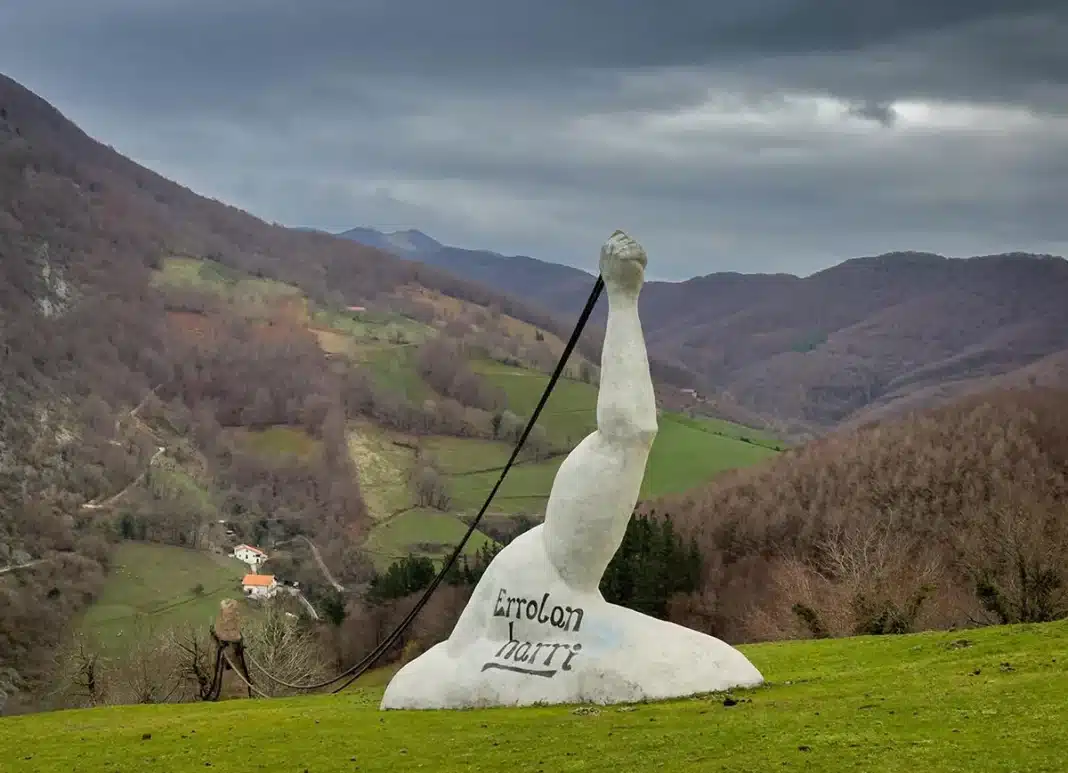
{"x": 431, "y": 489}
{"x": 85, "y": 673}
{"x": 282, "y": 645}
{"x": 193, "y": 661}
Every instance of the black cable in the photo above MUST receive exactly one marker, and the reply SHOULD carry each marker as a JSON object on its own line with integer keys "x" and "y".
{"x": 356, "y": 671}
{"x": 375, "y": 654}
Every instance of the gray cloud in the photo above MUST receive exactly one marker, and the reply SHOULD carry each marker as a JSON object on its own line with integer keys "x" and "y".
{"x": 880, "y": 112}
{"x": 758, "y": 135}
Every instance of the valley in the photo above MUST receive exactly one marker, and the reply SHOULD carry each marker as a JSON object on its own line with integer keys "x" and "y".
{"x": 872, "y": 337}
{"x": 687, "y": 452}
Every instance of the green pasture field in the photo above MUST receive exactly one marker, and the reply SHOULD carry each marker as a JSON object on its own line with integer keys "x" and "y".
{"x": 153, "y": 587}
{"x": 981, "y": 701}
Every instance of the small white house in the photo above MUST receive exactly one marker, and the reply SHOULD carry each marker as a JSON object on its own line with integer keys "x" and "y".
{"x": 259, "y": 586}
{"x": 254, "y": 557}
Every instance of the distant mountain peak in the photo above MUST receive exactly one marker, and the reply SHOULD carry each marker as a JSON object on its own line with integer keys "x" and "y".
{"x": 408, "y": 243}
{"x": 412, "y": 240}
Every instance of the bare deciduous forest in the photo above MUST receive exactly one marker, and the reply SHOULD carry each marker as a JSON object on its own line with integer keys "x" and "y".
{"x": 949, "y": 518}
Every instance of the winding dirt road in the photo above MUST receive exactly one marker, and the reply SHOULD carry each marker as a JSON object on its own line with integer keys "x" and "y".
{"x": 322, "y": 565}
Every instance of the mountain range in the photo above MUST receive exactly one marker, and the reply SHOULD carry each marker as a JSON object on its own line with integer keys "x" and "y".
{"x": 869, "y": 338}
{"x": 554, "y": 286}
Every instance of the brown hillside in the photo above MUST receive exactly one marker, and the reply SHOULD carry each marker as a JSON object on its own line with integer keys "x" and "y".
{"x": 86, "y": 335}
{"x": 940, "y": 519}
{"x": 869, "y": 337}
{"x": 69, "y": 175}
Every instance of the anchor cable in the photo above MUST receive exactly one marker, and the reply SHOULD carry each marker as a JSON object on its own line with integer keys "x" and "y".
{"x": 356, "y": 671}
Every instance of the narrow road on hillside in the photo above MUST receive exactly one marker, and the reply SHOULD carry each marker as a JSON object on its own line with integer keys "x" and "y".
{"x": 16, "y": 567}
{"x": 112, "y": 500}
{"x": 295, "y": 592}
{"x": 132, "y": 414}
{"x": 322, "y": 565}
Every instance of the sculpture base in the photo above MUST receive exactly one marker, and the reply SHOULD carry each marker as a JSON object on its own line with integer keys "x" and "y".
{"x": 526, "y": 638}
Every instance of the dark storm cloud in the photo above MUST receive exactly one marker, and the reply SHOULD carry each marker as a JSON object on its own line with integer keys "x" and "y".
{"x": 1016, "y": 41}
{"x": 880, "y": 112}
{"x": 752, "y": 135}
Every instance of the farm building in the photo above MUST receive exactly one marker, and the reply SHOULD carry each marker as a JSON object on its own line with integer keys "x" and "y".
{"x": 254, "y": 557}
{"x": 259, "y": 586}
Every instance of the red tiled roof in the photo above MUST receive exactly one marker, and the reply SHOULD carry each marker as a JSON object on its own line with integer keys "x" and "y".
{"x": 258, "y": 580}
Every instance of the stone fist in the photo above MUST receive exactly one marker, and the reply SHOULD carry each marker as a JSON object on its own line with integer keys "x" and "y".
{"x": 623, "y": 264}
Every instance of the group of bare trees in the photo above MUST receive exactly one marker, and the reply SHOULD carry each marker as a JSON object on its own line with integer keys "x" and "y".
{"x": 363, "y": 395}
{"x": 430, "y": 487}
{"x": 443, "y": 364}
{"x": 177, "y": 665}
{"x": 947, "y": 518}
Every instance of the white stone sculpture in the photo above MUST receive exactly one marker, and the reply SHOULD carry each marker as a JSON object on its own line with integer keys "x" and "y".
{"x": 537, "y": 629}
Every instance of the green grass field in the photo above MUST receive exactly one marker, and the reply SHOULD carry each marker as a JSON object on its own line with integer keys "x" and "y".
{"x": 981, "y": 701}
{"x": 421, "y": 531}
{"x": 525, "y": 490}
{"x": 464, "y": 456}
{"x": 395, "y": 371}
{"x": 569, "y": 415}
{"x": 731, "y": 430}
{"x": 209, "y": 276}
{"x": 371, "y": 326}
{"x": 280, "y": 441}
{"x": 684, "y": 456}
{"x": 152, "y": 587}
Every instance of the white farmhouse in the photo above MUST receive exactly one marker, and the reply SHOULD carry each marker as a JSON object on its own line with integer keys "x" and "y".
{"x": 254, "y": 557}
{"x": 259, "y": 586}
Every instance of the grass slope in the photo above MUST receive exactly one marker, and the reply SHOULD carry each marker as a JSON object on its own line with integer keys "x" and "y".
{"x": 568, "y": 416}
{"x": 421, "y": 531}
{"x": 248, "y": 293}
{"x": 685, "y": 456}
{"x": 280, "y": 442}
{"x": 384, "y": 466}
{"x": 152, "y": 585}
{"x": 977, "y": 701}
{"x": 687, "y": 452}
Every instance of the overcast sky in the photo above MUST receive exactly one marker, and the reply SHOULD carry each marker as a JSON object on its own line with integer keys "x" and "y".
{"x": 746, "y": 135}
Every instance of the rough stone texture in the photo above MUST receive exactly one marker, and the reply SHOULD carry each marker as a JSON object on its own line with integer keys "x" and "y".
{"x": 537, "y": 629}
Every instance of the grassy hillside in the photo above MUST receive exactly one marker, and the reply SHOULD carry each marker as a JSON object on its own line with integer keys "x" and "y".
{"x": 687, "y": 452}
{"x": 683, "y": 456}
{"x": 280, "y": 441}
{"x": 982, "y": 700}
{"x": 159, "y": 587}
{"x": 422, "y": 531}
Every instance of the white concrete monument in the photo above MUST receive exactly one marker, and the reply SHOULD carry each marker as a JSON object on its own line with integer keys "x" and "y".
{"x": 537, "y": 629}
